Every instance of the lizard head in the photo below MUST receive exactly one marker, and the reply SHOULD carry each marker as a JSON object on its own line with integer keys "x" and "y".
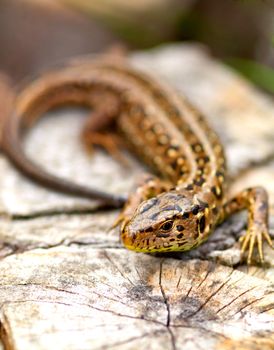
{"x": 168, "y": 222}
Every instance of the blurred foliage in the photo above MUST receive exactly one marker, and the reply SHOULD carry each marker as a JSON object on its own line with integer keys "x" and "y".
{"x": 142, "y": 24}
{"x": 231, "y": 28}
{"x": 207, "y": 25}
{"x": 35, "y": 33}
{"x": 239, "y": 29}
{"x": 259, "y": 74}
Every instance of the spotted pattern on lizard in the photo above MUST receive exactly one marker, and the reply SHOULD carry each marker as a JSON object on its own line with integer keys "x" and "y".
{"x": 178, "y": 209}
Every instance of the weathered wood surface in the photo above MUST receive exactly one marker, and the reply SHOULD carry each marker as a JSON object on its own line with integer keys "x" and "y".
{"x": 67, "y": 283}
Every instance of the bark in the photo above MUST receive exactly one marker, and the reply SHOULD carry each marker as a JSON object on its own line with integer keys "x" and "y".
{"x": 66, "y": 281}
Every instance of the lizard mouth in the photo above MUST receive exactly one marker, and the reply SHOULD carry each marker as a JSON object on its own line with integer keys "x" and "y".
{"x": 147, "y": 241}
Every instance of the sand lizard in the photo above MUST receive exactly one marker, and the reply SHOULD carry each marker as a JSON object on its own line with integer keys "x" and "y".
{"x": 174, "y": 212}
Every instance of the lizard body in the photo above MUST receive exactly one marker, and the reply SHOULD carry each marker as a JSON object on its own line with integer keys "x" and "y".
{"x": 175, "y": 212}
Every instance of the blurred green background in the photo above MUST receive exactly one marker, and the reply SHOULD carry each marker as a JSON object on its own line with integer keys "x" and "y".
{"x": 36, "y": 34}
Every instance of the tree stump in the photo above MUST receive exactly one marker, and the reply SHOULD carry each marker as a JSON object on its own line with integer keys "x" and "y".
{"x": 67, "y": 282}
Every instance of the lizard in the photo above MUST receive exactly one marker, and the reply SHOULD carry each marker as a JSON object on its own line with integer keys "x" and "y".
{"x": 179, "y": 208}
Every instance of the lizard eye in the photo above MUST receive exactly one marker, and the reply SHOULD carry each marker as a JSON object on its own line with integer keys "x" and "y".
{"x": 166, "y": 226}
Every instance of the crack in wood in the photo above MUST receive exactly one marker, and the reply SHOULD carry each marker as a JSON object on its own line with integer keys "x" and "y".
{"x": 118, "y": 269}
{"x": 233, "y": 284}
{"x": 58, "y": 212}
{"x": 172, "y": 337}
{"x": 210, "y": 297}
{"x": 138, "y": 273}
{"x": 234, "y": 299}
{"x": 210, "y": 269}
{"x": 199, "y": 285}
{"x": 179, "y": 281}
{"x": 80, "y": 295}
{"x": 246, "y": 305}
{"x": 271, "y": 307}
{"x": 115, "y": 300}
{"x": 112, "y": 288}
{"x": 187, "y": 294}
{"x": 17, "y": 249}
{"x": 163, "y": 294}
{"x": 80, "y": 304}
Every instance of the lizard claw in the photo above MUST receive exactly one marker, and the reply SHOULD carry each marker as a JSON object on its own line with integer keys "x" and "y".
{"x": 255, "y": 237}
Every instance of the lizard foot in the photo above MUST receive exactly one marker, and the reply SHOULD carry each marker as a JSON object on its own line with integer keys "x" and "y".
{"x": 255, "y": 237}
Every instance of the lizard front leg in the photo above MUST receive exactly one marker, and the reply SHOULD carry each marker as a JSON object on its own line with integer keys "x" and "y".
{"x": 255, "y": 200}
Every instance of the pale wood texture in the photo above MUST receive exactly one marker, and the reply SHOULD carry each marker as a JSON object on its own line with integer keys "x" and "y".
{"x": 66, "y": 281}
